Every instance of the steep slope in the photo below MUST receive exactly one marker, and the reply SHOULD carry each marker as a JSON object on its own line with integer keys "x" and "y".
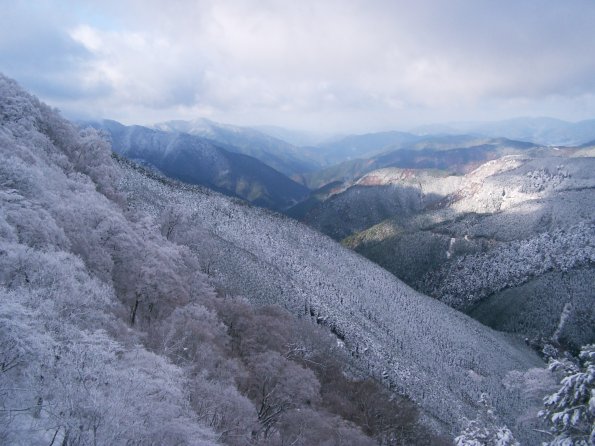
{"x": 72, "y": 371}
{"x": 511, "y": 230}
{"x": 442, "y": 359}
{"x": 453, "y": 153}
{"x": 274, "y": 152}
{"x": 196, "y": 160}
{"x": 381, "y": 194}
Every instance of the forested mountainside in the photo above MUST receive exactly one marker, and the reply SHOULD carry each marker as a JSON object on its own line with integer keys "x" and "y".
{"x": 416, "y": 345}
{"x": 276, "y": 153}
{"x": 112, "y": 334}
{"x": 377, "y": 196}
{"x": 72, "y": 266}
{"x": 453, "y": 153}
{"x": 513, "y": 245}
{"x": 197, "y": 160}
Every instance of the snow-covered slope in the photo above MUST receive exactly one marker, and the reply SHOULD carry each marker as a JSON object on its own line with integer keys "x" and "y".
{"x": 517, "y": 235}
{"x": 111, "y": 333}
{"x": 72, "y": 371}
{"x": 439, "y": 357}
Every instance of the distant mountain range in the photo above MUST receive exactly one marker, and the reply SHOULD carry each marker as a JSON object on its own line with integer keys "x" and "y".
{"x": 457, "y": 148}
{"x": 276, "y": 153}
{"x": 298, "y": 138}
{"x": 454, "y": 153}
{"x": 197, "y": 160}
{"x": 547, "y": 131}
{"x": 363, "y": 146}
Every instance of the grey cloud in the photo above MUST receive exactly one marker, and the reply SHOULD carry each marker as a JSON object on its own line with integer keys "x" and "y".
{"x": 41, "y": 55}
{"x": 353, "y": 62}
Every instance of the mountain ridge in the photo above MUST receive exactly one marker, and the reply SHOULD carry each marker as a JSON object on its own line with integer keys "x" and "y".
{"x": 454, "y": 153}
{"x": 276, "y": 153}
{"x": 538, "y": 130}
{"x": 198, "y": 160}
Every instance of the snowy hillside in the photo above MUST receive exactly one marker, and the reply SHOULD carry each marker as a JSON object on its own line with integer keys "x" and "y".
{"x": 122, "y": 324}
{"x": 112, "y": 335}
{"x": 515, "y": 238}
{"x": 442, "y": 359}
{"x": 72, "y": 371}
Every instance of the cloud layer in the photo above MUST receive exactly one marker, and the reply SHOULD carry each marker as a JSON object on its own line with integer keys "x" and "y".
{"x": 340, "y": 65}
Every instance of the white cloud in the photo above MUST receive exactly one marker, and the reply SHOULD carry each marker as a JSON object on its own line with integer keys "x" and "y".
{"x": 349, "y": 64}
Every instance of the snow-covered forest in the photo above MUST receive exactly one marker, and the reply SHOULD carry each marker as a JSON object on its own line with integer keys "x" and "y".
{"x": 510, "y": 243}
{"x": 111, "y": 334}
{"x": 138, "y": 310}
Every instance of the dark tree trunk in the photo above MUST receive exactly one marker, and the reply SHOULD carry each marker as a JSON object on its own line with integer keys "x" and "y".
{"x": 133, "y": 312}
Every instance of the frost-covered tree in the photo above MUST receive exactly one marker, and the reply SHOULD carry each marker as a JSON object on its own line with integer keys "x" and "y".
{"x": 486, "y": 429}
{"x": 570, "y": 411}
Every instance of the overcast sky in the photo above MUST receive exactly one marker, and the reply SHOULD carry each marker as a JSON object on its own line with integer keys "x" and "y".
{"x": 348, "y": 66}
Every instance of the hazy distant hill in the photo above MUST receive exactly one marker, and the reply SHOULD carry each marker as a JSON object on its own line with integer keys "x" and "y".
{"x": 198, "y": 160}
{"x": 275, "y": 152}
{"x": 363, "y": 146}
{"x": 548, "y": 131}
{"x": 298, "y": 138}
{"x": 454, "y": 153}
